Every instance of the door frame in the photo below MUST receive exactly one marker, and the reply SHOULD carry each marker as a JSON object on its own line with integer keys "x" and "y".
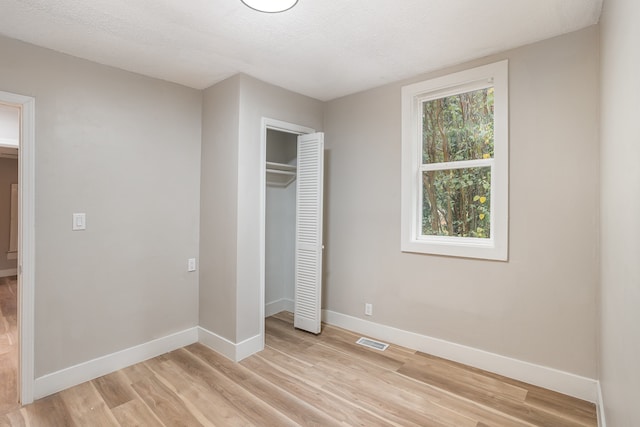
{"x": 26, "y": 242}
{"x": 281, "y": 126}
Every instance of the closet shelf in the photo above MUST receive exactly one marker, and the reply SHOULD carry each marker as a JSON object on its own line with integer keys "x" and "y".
{"x": 280, "y": 174}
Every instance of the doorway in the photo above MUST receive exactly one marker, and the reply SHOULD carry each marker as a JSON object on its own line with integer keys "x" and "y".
{"x": 291, "y": 223}
{"x": 278, "y": 156}
{"x": 9, "y": 339}
{"x": 280, "y": 220}
{"x": 22, "y": 246}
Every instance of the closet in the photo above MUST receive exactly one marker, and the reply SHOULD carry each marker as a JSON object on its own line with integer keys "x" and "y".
{"x": 280, "y": 221}
{"x": 293, "y": 226}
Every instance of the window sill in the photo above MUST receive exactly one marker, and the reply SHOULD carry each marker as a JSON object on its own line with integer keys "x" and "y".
{"x": 457, "y": 247}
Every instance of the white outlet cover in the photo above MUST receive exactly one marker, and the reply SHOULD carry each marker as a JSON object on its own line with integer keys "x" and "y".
{"x": 368, "y": 309}
{"x": 79, "y": 222}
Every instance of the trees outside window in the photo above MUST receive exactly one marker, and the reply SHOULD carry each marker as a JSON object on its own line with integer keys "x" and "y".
{"x": 455, "y": 171}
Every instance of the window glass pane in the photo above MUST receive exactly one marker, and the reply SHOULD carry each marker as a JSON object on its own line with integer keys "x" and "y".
{"x": 456, "y": 202}
{"x": 458, "y": 127}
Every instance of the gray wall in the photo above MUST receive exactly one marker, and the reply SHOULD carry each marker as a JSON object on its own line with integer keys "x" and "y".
{"x": 281, "y": 146}
{"x": 219, "y": 208}
{"x": 540, "y": 306}
{"x": 257, "y": 100}
{"x": 620, "y": 210}
{"x": 8, "y": 176}
{"x": 9, "y": 125}
{"x": 280, "y": 238}
{"x": 124, "y": 149}
{"x": 230, "y": 219}
{"x": 127, "y": 150}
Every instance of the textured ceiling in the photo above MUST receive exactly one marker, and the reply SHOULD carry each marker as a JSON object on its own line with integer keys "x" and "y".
{"x": 321, "y": 48}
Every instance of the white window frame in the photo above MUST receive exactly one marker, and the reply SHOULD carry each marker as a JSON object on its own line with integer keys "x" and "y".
{"x": 495, "y": 247}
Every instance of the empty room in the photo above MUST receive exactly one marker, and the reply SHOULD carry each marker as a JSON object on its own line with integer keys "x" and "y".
{"x": 254, "y": 212}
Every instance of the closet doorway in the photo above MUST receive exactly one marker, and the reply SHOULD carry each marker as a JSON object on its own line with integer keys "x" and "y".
{"x": 280, "y": 221}
{"x": 291, "y": 250}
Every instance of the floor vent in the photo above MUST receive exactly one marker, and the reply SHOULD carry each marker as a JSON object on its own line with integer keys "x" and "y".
{"x": 372, "y": 344}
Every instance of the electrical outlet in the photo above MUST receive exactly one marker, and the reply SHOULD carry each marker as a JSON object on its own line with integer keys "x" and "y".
{"x": 368, "y": 309}
{"x": 191, "y": 264}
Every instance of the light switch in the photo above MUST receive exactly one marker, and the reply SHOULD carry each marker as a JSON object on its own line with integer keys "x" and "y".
{"x": 79, "y": 221}
{"x": 191, "y": 264}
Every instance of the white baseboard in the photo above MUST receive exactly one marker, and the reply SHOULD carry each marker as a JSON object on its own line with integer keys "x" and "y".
{"x": 217, "y": 343}
{"x": 230, "y": 350}
{"x": 542, "y": 376}
{"x": 8, "y": 273}
{"x": 602, "y": 422}
{"x": 553, "y": 379}
{"x": 276, "y": 307}
{"x": 86, "y": 371}
{"x": 249, "y": 346}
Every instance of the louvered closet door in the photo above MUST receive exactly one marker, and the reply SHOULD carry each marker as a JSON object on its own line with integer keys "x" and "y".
{"x": 308, "y": 263}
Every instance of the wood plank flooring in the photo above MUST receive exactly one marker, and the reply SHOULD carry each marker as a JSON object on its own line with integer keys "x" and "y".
{"x": 303, "y": 380}
{"x": 8, "y": 343}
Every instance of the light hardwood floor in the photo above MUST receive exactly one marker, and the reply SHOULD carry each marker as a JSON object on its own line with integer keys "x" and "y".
{"x": 302, "y": 379}
{"x": 8, "y": 344}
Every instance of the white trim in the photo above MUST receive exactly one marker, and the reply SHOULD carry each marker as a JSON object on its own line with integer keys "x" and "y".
{"x": 462, "y": 164}
{"x": 217, "y": 343}
{"x": 542, "y": 376}
{"x": 495, "y": 247}
{"x": 285, "y": 127}
{"x": 230, "y": 350}
{"x": 279, "y": 125}
{"x": 86, "y": 371}
{"x": 9, "y": 272}
{"x": 27, "y": 249}
{"x": 26, "y": 241}
{"x": 249, "y": 346}
{"x": 275, "y": 307}
{"x": 9, "y": 143}
{"x": 602, "y": 422}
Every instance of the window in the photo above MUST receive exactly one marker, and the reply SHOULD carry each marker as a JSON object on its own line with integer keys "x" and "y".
{"x": 455, "y": 164}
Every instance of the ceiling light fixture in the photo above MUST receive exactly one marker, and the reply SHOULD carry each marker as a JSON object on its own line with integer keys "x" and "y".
{"x": 270, "y": 6}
